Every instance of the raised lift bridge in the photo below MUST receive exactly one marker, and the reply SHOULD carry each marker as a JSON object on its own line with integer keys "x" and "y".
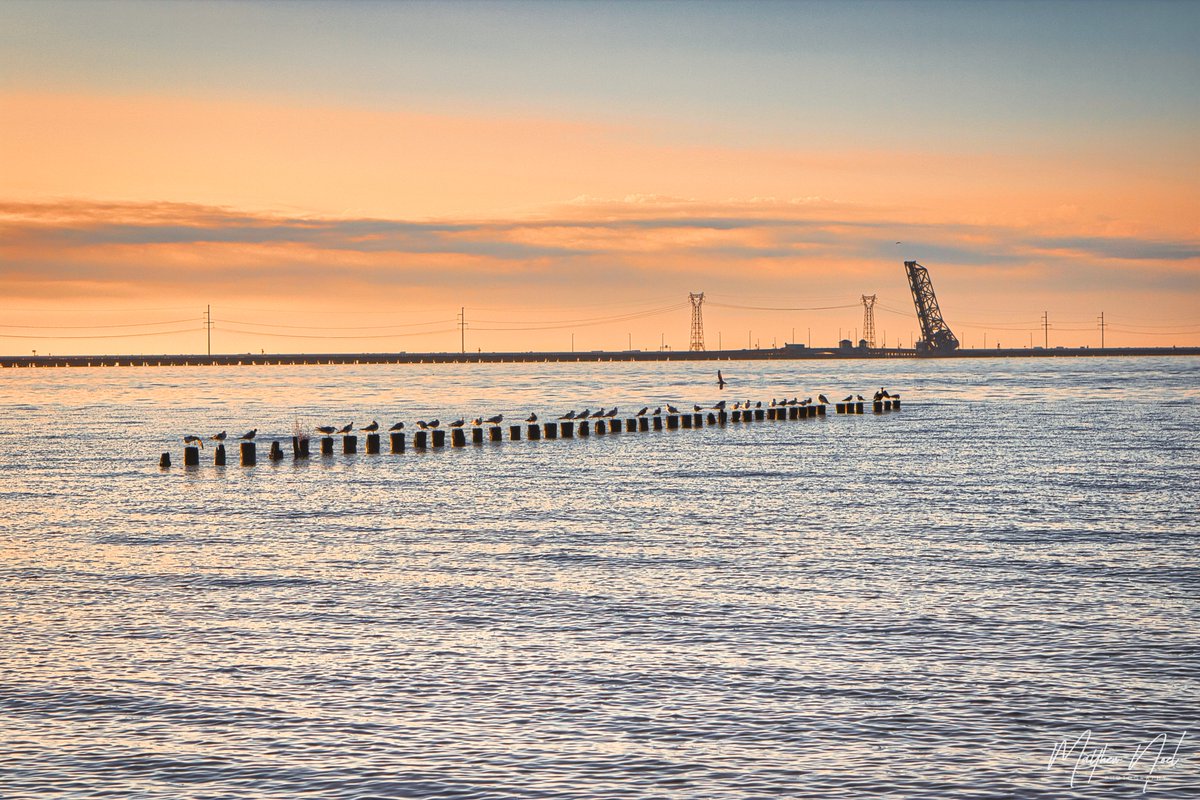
{"x": 936, "y": 336}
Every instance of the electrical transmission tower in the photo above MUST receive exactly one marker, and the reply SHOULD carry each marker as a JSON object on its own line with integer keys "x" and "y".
{"x": 869, "y": 320}
{"x": 697, "y": 300}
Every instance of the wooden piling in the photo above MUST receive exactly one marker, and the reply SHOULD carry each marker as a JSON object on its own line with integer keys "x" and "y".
{"x": 439, "y": 437}
{"x": 219, "y": 455}
{"x": 722, "y": 417}
{"x": 821, "y": 410}
{"x": 614, "y": 426}
{"x": 276, "y": 452}
{"x": 601, "y": 427}
{"x": 191, "y": 456}
{"x": 299, "y": 447}
{"x": 643, "y": 424}
{"x": 794, "y": 412}
{"x": 631, "y": 426}
{"x": 760, "y": 414}
{"x": 514, "y": 433}
{"x": 550, "y": 429}
{"x": 397, "y": 439}
{"x": 585, "y": 428}
{"x": 712, "y": 418}
{"x": 476, "y": 435}
{"x": 658, "y": 423}
{"x": 839, "y": 408}
{"x": 495, "y": 434}
{"x": 349, "y": 445}
{"x": 535, "y": 432}
{"x": 566, "y": 429}
{"x": 458, "y": 437}
{"x": 877, "y": 406}
{"x": 249, "y": 454}
{"x": 420, "y": 440}
{"x": 686, "y": 420}
{"x": 164, "y": 461}
{"x": 672, "y": 422}
{"x": 896, "y": 404}
{"x": 858, "y": 408}
{"x": 326, "y": 445}
{"x": 735, "y": 416}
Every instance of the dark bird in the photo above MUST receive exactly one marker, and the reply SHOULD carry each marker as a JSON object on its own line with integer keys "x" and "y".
{"x": 884, "y": 393}
{"x": 860, "y": 398}
{"x": 433, "y": 423}
{"x": 531, "y": 418}
{"x": 720, "y": 380}
{"x": 658, "y": 411}
{"x": 220, "y": 437}
{"x": 477, "y": 421}
{"x": 496, "y": 420}
{"x": 248, "y": 436}
{"x": 736, "y": 406}
{"x": 583, "y": 414}
{"x": 823, "y": 399}
{"x": 328, "y": 430}
{"x": 895, "y": 396}
{"x": 399, "y": 426}
{"x": 877, "y": 396}
{"x": 672, "y": 409}
{"x": 808, "y": 401}
{"x": 346, "y": 428}
{"x": 772, "y": 402}
{"x": 568, "y": 415}
{"x": 758, "y": 404}
{"x": 696, "y": 407}
{"x": 374, "y": 426}
{"x": 848, "y": 399}
{"x": 612, "y": 413}
{"x": 643, "y": 412}
{"x": 599, "y": 413}
{"x": 192, "y": 438}
{"x": 422, "y": 424}
{"x": 720, "y": 406}
{"x": 458, "y": 423}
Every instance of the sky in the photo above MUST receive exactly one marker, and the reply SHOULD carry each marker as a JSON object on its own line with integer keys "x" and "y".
{"x": 344, "y": 177}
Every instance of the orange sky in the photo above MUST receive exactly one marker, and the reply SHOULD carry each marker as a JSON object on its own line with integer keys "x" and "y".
{"x": 347, "y": 221}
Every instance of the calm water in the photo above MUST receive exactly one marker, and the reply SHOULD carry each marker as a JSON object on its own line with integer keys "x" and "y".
{"x": 920, "y": 604}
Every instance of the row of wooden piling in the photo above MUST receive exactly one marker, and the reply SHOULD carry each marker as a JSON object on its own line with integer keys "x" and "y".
{"x": 564, "y": 429}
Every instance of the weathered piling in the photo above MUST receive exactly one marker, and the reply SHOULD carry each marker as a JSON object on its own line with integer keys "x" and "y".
{"x": 550, "y": 429}
{"x": 839, "y": 408}
{"x": 514, "y": 433}
{"x": 397, "y": 442}
{"x": 658, "y": 423}
{"x": 712, "y": 418}
{"x": 811, "y": 411}
{"x": 439, "y": 437}
{"x": 164, "y": 461}
{"x": 219, "y": 455}
{"x": 191, "y": 456}
{"x": 698, "y": 419}
{"x": 858, "y": 407}
{"x": 276, "y": 453}
{"x": 686, "y": 420}
{"x": 299, "y": 451}
{"x": 458, "y": 437}
{"x": 614, "y": 426}
{"x": 249, "y": 454}
{"x": 877, "y": 406}
{"x": 821, "y": 410}
{"x": 566, "y": 429}
{"x": 601, "y": 427}
{"x": 673, "y": 422}
{"x": 349, "y": 445}
{"x": 372, "y": 443}
{"x": 420, "y": 440}
{"x": 794, "y": 412}
{"x": 495, "y": 434}
{"x": 585, "y": 428}
{"x": 895, "y": 404}
{"x": 535, "y": 432}
{"x": 326, "y": 445}
{"x": 735, "y": 416}
{"x": 643, "y": 424}
{"x": 760, "y": 414}
{"x": 631, "y": 425}
{"x": 476, "y": 435}
{"x": 722, "y": 417}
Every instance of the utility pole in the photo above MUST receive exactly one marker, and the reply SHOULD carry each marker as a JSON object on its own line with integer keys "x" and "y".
{"x": 1102, "y": 326}
{"x": 631, "y": 340}
{"x": 208, "y": 323}
{"x": 462, "y": 329}
{"x": 1046, "y": 330}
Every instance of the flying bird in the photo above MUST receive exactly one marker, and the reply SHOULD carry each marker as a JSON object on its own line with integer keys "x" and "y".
{"x": 220, "y": 437}
{"x": 374, "y": 426}
{"x": 248, "y": 436}
{"x": 720, "y": 380}
{"x": 399, "y": 426}
{"x": 192, "y": 438}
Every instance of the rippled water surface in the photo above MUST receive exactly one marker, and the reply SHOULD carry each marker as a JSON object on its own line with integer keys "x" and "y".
{"x": 916, "y": 604}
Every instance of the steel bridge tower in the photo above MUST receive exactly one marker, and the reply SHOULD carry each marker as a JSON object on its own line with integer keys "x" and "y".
{"x": 936, "y": 336}
{"x": 869, "y": 320}
{"x": 697, "y": 300}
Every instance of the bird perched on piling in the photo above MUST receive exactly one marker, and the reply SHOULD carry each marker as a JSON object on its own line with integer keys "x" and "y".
{"x": 583, "y": 414}
{"x": 720, "y": 406}
{"x": 860, "y": 398}
{"x": 345, "y": 429}
{"x": 672, "y": 409}
{"x": 658, "y": 411}
{"x": 643, "y": 412}
{"x": 328, "y": 430}
{"x": 374, "y": 426}
{"x": 458, "y": 423}
{"x": 531, "y": 418}
{"x": 599, "y": 413}
{"x": 220, "y": 437}
{"x": 433, "y": 423}
{"x": 422, "y": 424}
{"x": 758, "y": 404}
{"x": 696, "y": 407}
{"x": 399, "y": 426}
{"x": 824, "y": 400}
{"x": 848, "y": 399}
{"x": 568, "y": 415}
{"x": 612, "y": 413}
{"x": 496, "y": 420}
{"x": 477, "y": 421}
{"x": 192, "y": 438}
{"x": 248, "y": 436}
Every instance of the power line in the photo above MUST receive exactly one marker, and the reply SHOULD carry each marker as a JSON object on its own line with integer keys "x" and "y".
{"x": 98, "y": 327}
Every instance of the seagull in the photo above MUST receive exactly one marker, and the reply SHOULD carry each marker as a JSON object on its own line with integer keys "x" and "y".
{"x": 374, "y": 426}
{"x": 192, "y": 438}
{"x": 346, "y": 428}
{"x": 696, "y": 407}
{"x": 220, "y": 437}
{"x": 458, "y": 423}
{"x": 736, "y": 406}
{"x": 531, "y": 418}
{"x": 612, "y": 413}
{"x": 433, "y": 423}
{"x": 808, "y": 401}
{"x": 658, "y": 411}
{"x": 248, "y": 436}
{"x": 399, "y": 426}
{"x": 848, "y": 399}
{"x": 823, "y": 399}
{"x": 568, "y": 415}
{"x": 860, "y": 398}
{"x": 772, "y": 402}
{"x": 326, "y": 429}
{"x": 583, "y": 414}
{"x": 496, "y": 420}
{"x": 642, "y": 413}
{"x": 720, "y": 406}
{"x": 422, "y": 424}
{"x": 672, "y": 409}
{"x": 599, "y": 413}
{"x": 758, "y": 404}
